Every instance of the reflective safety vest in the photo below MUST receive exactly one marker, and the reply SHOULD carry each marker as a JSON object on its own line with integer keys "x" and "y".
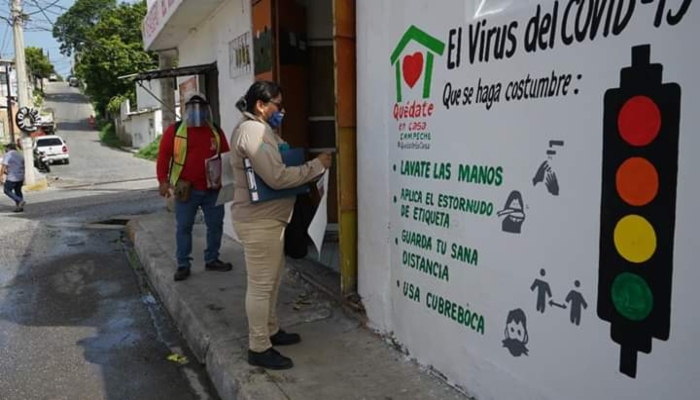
{"x": 177, "y": 163}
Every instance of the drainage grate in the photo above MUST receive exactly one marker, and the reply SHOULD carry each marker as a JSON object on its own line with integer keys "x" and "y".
{"x": 113, "y": 221}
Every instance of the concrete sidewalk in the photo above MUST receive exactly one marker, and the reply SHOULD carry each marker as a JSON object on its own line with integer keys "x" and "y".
{"x": 338, "y": 359}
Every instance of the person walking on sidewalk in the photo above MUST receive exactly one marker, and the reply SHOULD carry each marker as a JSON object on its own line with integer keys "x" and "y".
{"x": 13, "y": 167}
{"x": 189, "y": 164}
{"x": 261, "y": 226}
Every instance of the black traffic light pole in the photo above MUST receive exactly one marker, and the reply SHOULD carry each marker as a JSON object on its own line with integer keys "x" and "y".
{"x": 641, "y": 125}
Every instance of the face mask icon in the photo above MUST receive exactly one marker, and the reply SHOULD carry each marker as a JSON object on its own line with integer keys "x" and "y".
{"x": 514, "y": 212}
{"x": 516, "y": 336}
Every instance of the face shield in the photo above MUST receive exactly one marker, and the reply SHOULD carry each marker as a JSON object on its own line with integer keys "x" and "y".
{"x": 198, "y": 113}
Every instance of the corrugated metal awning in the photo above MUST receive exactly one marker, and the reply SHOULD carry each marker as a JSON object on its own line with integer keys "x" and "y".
{"x": 173, "y": 72}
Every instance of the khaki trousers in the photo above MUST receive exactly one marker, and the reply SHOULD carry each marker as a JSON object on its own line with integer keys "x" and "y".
{"x": 263, "y": 244}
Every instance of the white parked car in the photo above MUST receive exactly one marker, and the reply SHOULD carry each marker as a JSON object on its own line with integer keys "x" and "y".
{"x": 54, "y": 147}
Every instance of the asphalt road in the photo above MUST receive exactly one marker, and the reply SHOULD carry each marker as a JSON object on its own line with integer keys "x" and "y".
{"x": 77, "y": 320}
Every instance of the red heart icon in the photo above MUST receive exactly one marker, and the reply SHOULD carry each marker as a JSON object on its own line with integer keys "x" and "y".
{"x": 412, "y": 68}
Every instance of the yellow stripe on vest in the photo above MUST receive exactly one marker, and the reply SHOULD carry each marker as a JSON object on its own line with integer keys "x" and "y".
{"x": 180, "y": 150}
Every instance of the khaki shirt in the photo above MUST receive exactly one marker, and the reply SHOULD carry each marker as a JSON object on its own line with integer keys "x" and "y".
{"x": 255, "y": 140}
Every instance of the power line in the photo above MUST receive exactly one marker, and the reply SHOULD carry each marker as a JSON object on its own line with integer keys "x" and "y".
{"x": 89, "y": 45}
{"x": 54, "y": 13}
{"x": 42, "y": 9}
{"x": 55, "y": 5}
{"x": 4, "y": 40}
{"x": 43, "y": 12}
{"x": 120, "y": 30}
{"x": 92, "y": 45}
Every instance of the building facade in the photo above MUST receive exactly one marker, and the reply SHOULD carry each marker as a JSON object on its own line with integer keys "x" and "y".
{"x": 137, "y": 125}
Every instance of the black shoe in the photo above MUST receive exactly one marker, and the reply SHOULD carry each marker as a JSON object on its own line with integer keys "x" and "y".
{"x": 181, "y": 274}
{"x": 270, "y": 359}
{"x": 218, "y": 265}
{"x": 282, "y": 338}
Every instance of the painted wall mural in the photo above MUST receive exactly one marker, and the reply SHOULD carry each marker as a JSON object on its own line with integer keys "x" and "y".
{"x": 539, "y": 154}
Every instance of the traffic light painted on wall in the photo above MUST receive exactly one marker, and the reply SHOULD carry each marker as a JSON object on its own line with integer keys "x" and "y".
{"x": 638, "y": 207}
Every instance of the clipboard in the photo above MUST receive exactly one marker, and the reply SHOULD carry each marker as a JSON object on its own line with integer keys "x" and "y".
{"x": 260, "y": 191}
{"x": 227, "y": 190}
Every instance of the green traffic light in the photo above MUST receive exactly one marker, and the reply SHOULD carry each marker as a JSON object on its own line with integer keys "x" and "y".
{"x": 632, "y": 297}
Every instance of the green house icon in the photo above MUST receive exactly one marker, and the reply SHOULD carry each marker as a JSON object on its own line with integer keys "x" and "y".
{"x": 414, "y": 66}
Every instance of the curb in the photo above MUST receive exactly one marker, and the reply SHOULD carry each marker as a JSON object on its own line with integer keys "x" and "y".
{"x": 225, "y": 361}
{"x": 128, "y": 149}
{"x": 152, "y": 255}
{"x": 40, "y": 185}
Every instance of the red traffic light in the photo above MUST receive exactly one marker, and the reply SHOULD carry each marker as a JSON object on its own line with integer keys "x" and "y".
{"x": 639, "y": 121}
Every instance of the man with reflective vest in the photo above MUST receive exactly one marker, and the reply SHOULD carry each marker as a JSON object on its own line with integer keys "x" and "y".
{"x": 189, "y": 166}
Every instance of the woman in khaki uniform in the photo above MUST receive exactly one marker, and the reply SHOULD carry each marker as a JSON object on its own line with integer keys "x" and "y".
{"x": 261, "y": 226}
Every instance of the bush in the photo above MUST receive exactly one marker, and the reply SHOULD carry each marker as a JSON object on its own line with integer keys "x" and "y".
{"x": 115, "y": 104}
{"x": 150, "y": 152}
{"x": 38, "y": 97}
{"x": 100, "y": 120}
{"x": 108, "y": 135}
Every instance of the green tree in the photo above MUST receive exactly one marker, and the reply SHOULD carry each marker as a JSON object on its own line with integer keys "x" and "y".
{"x": 37, "y": 62}
{"x": 72, "y": 27}
{"x": 113, "y": 48}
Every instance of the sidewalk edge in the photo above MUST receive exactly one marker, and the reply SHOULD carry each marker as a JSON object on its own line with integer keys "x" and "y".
{"x": 224, "y": 360}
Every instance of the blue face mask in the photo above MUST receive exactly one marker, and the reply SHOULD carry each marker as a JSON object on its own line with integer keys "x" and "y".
{"x": 275, "y": 119}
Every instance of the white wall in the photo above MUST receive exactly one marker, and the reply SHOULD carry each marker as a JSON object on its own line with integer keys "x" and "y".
{"x": 372, "y": 173}
{"x": 561, "y": 233}
{"x": 13, "y": 83}
{"x": 138, "y": 128}
{"x": 209, "y": 43}
{"x": 121, "y": 123}
{"x": 143, "y": 127}
{"x": 145, "y": 100}
{"x": 158, "y": 122}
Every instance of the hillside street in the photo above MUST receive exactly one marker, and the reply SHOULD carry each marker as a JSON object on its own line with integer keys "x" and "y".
{"x": 77, "y": 318}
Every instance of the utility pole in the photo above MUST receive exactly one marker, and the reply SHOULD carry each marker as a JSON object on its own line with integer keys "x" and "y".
{"x": 22, "y": 87}
{"x": 166, "y": 59}
{"x": 9, "y": 103}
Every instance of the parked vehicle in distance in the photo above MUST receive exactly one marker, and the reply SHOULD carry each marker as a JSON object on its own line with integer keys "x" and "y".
{"x": 73, "y": 81}
{"x": 41, "y": 161}
{"x": 47, "y": 122}
{"x": 53, "y": 78}
{"x": 54, "y": 147}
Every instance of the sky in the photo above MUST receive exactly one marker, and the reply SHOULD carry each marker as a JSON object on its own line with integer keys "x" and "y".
{"x": 38, "y": 30}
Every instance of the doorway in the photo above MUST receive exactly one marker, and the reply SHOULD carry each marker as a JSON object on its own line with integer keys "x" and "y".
{"x": 211, "y": 90}
{"x": 295, "y": 44}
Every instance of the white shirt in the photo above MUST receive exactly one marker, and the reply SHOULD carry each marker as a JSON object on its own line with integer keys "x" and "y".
{"x": 14, "y": 165}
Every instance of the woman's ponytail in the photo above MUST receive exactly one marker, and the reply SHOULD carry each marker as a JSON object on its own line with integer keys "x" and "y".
{"x": 242, "y": 104}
